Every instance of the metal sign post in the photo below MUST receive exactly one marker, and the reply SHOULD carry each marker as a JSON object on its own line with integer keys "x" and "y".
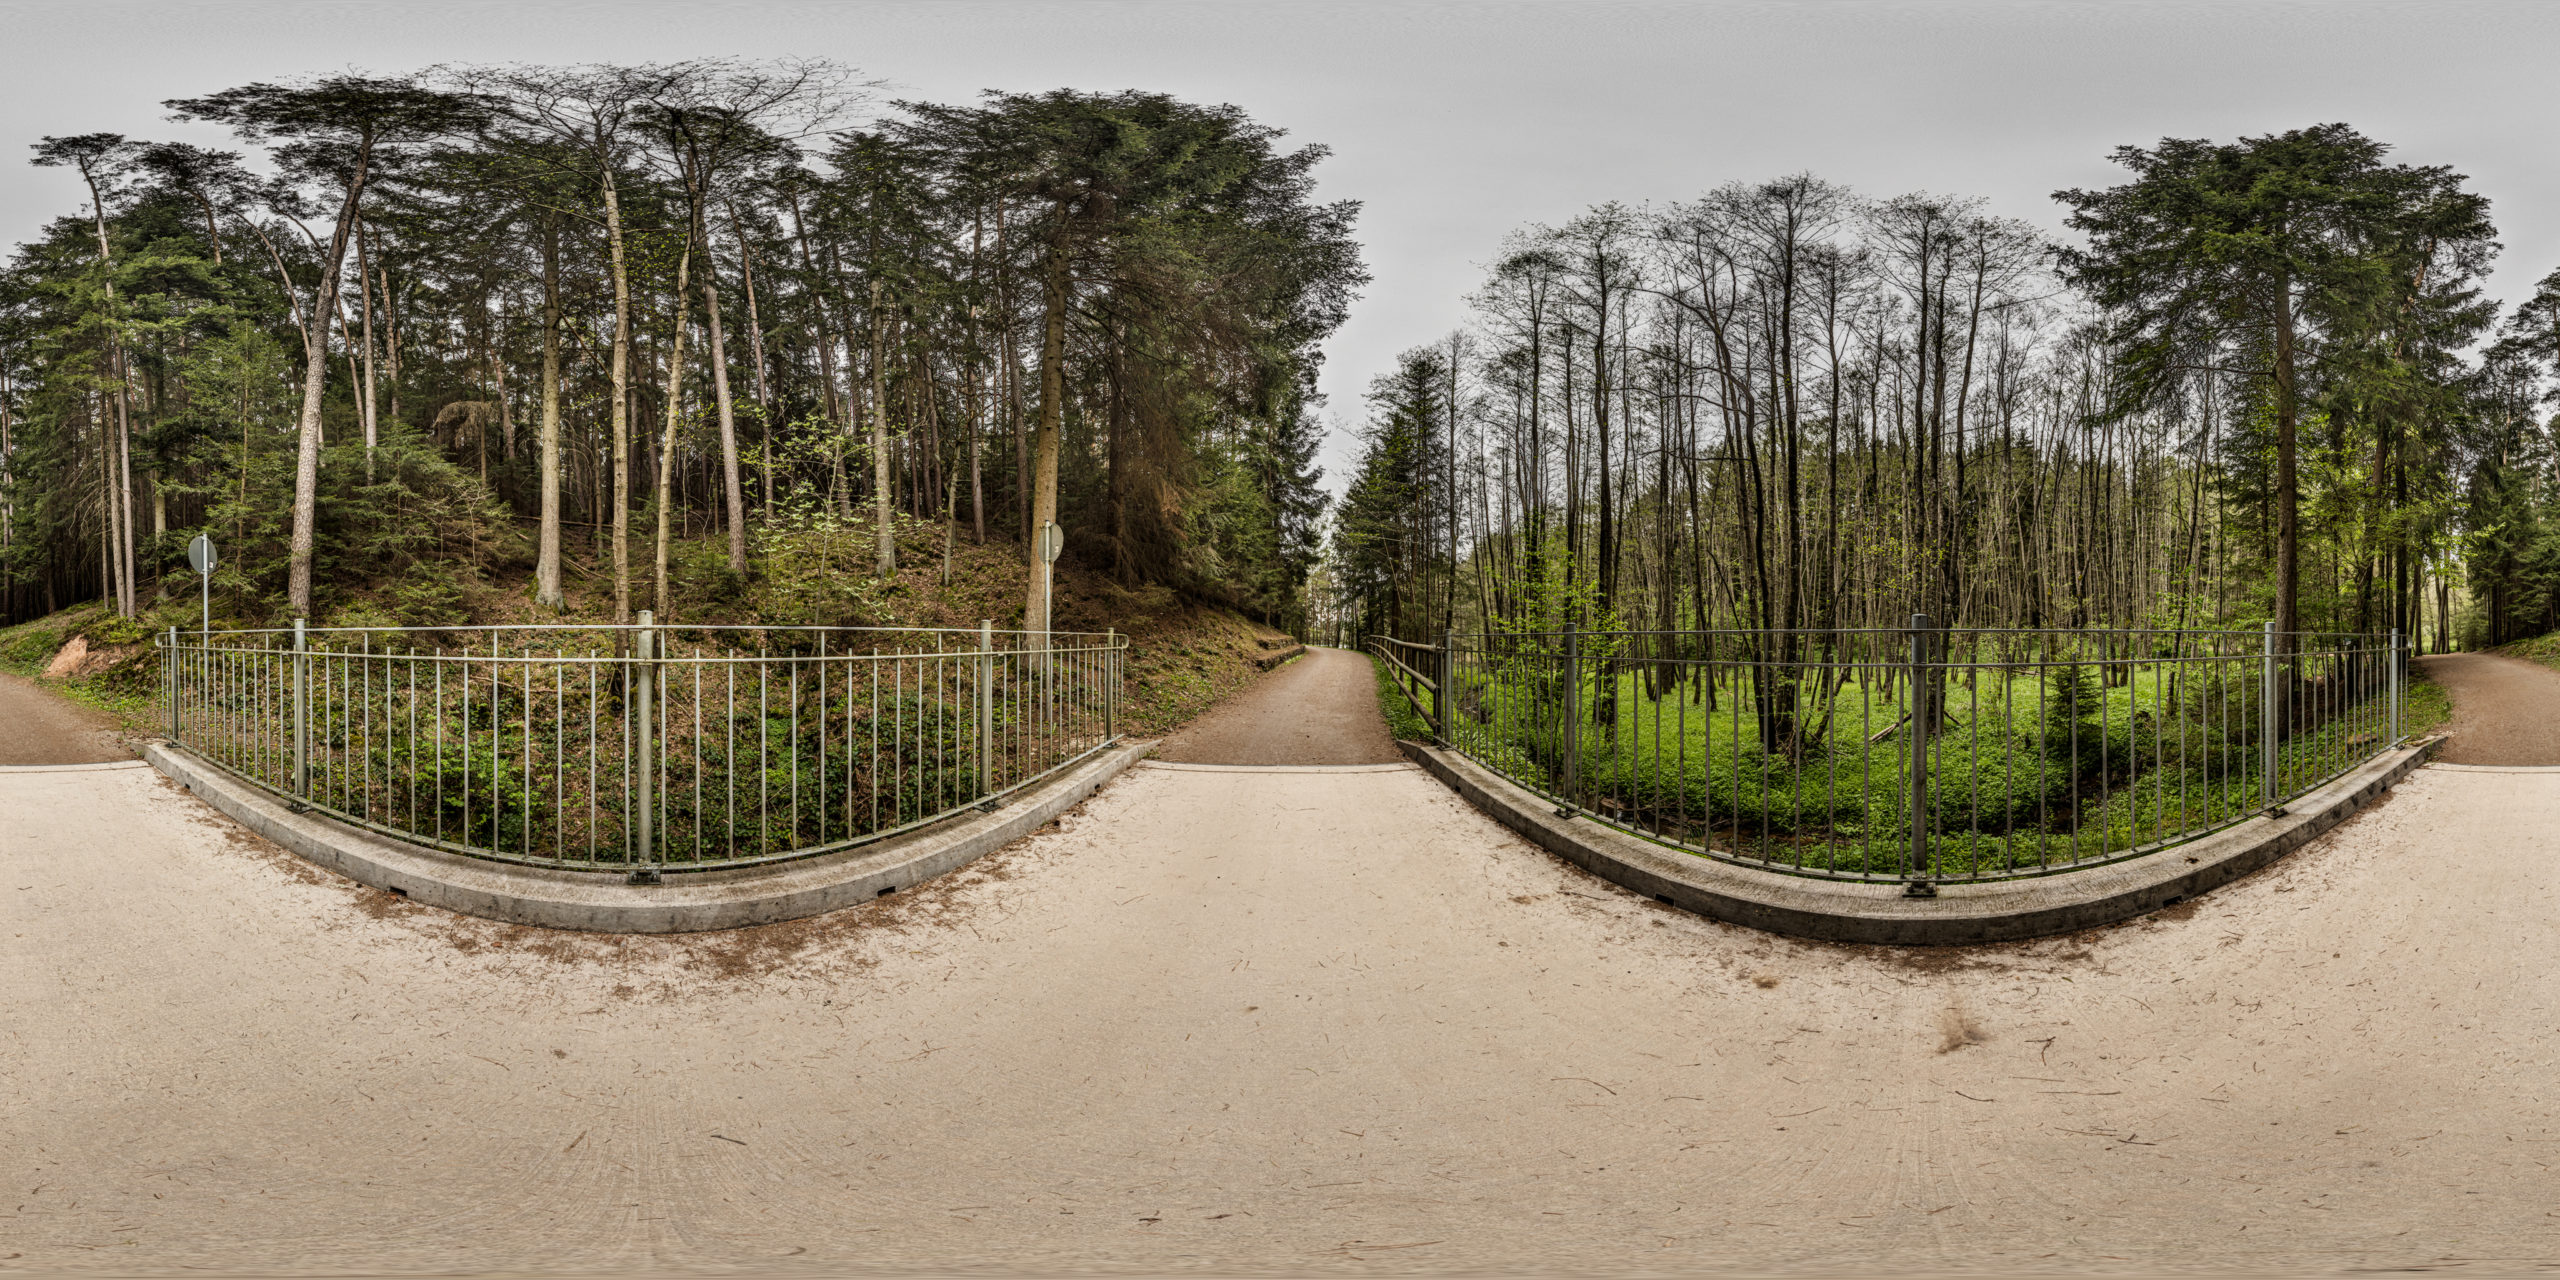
{"x": 200, "y": 557}
{"x": 1052, "y": 541}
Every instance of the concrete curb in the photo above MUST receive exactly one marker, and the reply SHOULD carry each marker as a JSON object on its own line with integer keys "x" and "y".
{"x": 600, "y": 902}
{"x": 73, "y": 768}
{"x": 2000, "y": 911}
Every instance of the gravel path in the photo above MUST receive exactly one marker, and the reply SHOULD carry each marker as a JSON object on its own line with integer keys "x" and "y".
{"x": 1270, "y": 1021}
{"x": 2505, "y": 710}
{"x": 1321, "y": 708}
{"x": 40, "y": 727}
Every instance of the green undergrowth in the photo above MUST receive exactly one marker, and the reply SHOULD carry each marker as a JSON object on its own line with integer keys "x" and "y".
{"x": 2425, "y": 707}
{"x": 2027, "y": 770}
{"x": 2542, "y": 649}
{"x": 1184, "y": 654}
{"x": 1403, "y": 722}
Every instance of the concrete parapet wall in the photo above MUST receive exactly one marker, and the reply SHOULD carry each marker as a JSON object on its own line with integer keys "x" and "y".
{"x": 602, "y": 902}
{"x": 1993, "y": 911}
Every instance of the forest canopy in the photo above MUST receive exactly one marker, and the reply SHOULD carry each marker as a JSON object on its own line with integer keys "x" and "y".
{"x": 421, "y": 329}
{"x": 565, "y": 325}
{"x": 2260, "y": 384}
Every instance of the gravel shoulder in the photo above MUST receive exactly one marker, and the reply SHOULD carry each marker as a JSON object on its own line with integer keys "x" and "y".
{"x": 38, "y": 726}
{"x": 1321, "y": 708}
{"x": 2505, "y": 710}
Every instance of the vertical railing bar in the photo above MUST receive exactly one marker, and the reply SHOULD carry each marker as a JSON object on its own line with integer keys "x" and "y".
{"x": 794, "y": 697}
{"x": 1916, "y": 881}
{"x": 301, "y": 712}
{"x": 820, "y": 801}
{"x": 872, "y": 667}
{"x": 729, "y": 753}
{"x": 2267, "y": 726}
{"x": 764, "y": 753}
{"x": 986, "y": 706}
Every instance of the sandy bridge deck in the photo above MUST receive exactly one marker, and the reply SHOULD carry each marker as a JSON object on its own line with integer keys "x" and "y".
{"x": 1275, "y": 1022}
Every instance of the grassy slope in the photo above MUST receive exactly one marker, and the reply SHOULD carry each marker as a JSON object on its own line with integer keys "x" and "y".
{"x": 129, "y": 691}
{"x": 2542, "y": 649}
{"x": 1184, "y": 655}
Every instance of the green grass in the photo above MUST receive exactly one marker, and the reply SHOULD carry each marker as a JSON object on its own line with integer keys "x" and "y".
{"x": 2424, "y": 708}
{"x": 2027, "y": 771}
{"x": 2542, "y": 649}
{"x": 1405, "y": 723}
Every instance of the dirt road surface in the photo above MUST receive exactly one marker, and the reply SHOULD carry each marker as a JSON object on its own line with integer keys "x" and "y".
{"x": 1272, "y": 1021}
{"x": 38, "y": 727}
{"x": 1321, "y": 708}
{"x": 2505, "y": 710}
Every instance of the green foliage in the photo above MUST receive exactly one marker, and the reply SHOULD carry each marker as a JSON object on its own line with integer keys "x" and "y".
{"x": 813, "y": 568}
{"x": 1388, "y": 543}
{"x": 2026, "y": 771}
{"x": 118, "y": 630}
{"x": 418, "y": 531}
{"x": 2070, "y": 701}
{"x": 25, "y": 648}
{"x": 1404, "y": 721}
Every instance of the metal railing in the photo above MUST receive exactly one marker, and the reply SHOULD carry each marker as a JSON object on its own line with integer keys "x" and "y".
{"x": 642, "y": 748}
{"x": 1920, "y": 754}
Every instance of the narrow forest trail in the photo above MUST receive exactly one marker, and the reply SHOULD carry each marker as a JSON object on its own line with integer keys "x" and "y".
{"x": 1319, "y": 709}
{"x": 38, "y": 727}
{"x": 1221, "y": 1019}
{"x": 2506, "y": 711}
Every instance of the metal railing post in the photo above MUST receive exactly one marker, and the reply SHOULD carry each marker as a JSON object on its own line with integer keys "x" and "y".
{"x": 2267, "y": 725}
{"x": 2393, "y": 657}
{"x": 1440, "y": 691}
{"x": 986, "y": 706}
{"x": 301, "y": 711}
{"x": 1916, "y": 883}
{"x": 1110, "y": 683}
{"x": 1571, "y": 789}
{"x": 644, "y": 750}
{"x": 173, "y": 683}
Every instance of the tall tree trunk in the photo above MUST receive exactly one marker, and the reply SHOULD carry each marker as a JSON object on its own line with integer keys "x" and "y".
{"x": 391, "y": 351}
{"x": 621, "y": 402}
{"x": 546, "y": 570}
{"x": 755, "y": 350}
{"x": 506, "y": 410}
{"x": 364, "y": 304}
{"x": 315, "y": 382}
{"x": 733, "y": 491}
{"x": 2288, "y": 571}
{"x": 977, "y": 385}
{"x": 825, "y": 336}
{"x": 666, "y": 494}
{"x": 1053, "y": 396}
{"x": 116, "y": 499}
{"x": 1449, "y": 611}
{"x": 885, "y": 548}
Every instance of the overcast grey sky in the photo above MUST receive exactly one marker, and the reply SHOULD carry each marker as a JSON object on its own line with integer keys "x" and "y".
{"x": 1455, "y": 123}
